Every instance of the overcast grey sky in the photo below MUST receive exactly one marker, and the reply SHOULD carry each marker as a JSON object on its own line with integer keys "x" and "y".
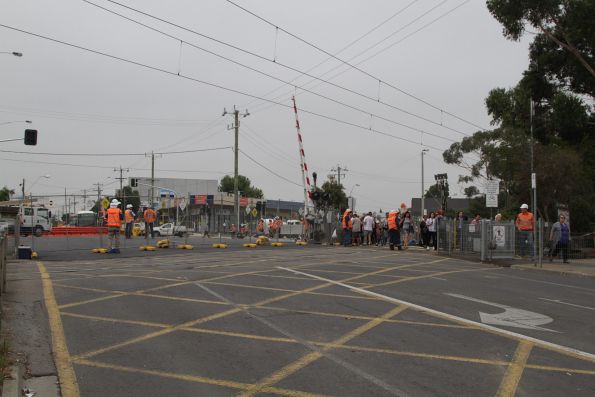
{"x": 449, "y": 53}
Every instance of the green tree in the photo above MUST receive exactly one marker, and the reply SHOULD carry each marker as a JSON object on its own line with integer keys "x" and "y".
{"x": 5, "y": 193}
{"x": 130, "y": 197}
{"x": 332, "y": 195}
{"x": 244, "y": 186}
{"x": 564, "y": 45}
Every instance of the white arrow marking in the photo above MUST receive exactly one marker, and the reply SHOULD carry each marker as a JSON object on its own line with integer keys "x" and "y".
{"x": 511, "y": 316}
{"x": 566, "y": 303}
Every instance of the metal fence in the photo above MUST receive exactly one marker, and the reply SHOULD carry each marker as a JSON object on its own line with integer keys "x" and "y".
{"x": 489, "y": 240}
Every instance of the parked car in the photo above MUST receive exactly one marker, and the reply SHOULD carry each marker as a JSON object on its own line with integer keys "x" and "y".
{"x": 167, "y": 229}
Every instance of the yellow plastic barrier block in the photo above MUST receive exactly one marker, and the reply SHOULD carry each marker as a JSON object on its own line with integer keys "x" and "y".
{"x": 103, "y": 250}
{"x": 150, "y": 248}
{"x": 189, "y": 246}
{"x": 277, "y": 244}
{"x": 301, "y": 243}
{"x": 217, "y": 245}
{"x": 249, "y": 245}
{"x": 34, "y": 255}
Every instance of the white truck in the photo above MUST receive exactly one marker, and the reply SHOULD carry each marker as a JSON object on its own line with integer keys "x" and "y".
{"x": 168, "y": 229}
{"x": 35, "y": 220}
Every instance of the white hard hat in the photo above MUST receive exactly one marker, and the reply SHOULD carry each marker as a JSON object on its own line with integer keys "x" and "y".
{"x": 115, "y": 201}
{"x": 524, "y": 206}
{"x": 128, "y": 205}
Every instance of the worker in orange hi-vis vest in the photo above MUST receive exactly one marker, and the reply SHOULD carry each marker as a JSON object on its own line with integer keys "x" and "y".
{"x": 114, "y": 223}
{"x": 271, "y": 227}
{"x": 394, "y": 236}
{"x": 524, "y": 224}
{"x": 347, "y": 224}
{"x": 129, "y": 218}
{"x": 260, "y": 227}
{"x": 150, "y": 217}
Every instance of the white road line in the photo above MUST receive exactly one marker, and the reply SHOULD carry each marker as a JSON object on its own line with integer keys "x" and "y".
{"x": 566, "y": 303}
{"x": 516, "y": 335}
{"x": 438, "y": 278}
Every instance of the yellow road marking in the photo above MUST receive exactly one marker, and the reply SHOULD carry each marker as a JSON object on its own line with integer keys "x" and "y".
{"x": 66, "y": 375}
{"x": 305, "y": 360}
{"x": 195, "y": 379}
{"x": 115, "y": 320}
{"x": 430, "y": 275}
{"x": 203, "y": 320}
{"x": 515, "y": 370}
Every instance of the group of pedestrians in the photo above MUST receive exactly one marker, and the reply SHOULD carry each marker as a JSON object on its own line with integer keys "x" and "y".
{"x": 396, "y": 229}
{"x": 114, "y": 217}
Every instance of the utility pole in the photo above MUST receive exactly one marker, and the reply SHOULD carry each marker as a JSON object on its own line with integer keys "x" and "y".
{"x": 338, "y": 170}
{"x": 533, "y": 184}
{"x": 84, "y": 199}
{"x": 65, "y": 206}
{"x": 121, "y": 178}
{"x": 23, "y": 190}
{"x": 236, "y": 128}
{"x": 74, "y": 202}
{"x": 423, "y": 202}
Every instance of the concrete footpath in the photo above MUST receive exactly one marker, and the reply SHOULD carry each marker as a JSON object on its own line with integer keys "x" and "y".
{"x": 26, "y": 332}
{"x": 581, "y": 267}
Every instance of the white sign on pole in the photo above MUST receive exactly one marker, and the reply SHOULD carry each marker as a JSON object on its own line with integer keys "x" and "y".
{"x": 248, "y": 209}
{"x": 499, "y": 236}
{"x": 182, "y": 203}
{"x": 301, "y": 211}
{"x": 492, "y": 189}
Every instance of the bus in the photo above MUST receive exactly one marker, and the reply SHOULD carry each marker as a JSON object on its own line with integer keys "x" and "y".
{"x": 86, "y": 218}
{"x": 35, "y": 220}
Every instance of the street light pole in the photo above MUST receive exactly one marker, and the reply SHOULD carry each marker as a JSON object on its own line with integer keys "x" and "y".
{"x": 533, "y": 183}
{"x": 423, "y": 152}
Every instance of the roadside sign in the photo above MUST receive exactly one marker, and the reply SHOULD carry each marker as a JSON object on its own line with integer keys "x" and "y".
{"x": 182, "y": 203}
{"x": 492, "y": 188}
{"x": 499, "y": 233}
{"x": 301, "y": 211}
{"x": 248, "y": 209}
{"x": 105, "y": 203}
{"x": 254, "y": 212}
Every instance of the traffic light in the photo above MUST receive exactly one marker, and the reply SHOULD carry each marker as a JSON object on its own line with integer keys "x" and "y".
{"x": 133, "y": 182}
{"x": 31, "y": 137}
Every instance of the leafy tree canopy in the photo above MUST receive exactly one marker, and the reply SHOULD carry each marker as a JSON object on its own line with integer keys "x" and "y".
{"x": 244, "y": 186}
{"x": 5, "y": 193}
{"x": 563, "y": 47}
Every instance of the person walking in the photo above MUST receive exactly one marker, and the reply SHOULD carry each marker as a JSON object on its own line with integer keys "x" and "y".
{"x": 424, "y": 233}
{"x": 560, "y": 239}
{"x": 407, "y": 227}
{"x": 356, "y": 229}
{"x": 431, "y": 225}
{"x": 394, "y": 237}
{"x": 384, "y": 227}
{"x": 150, "y": 216}
{"x": 129, "y": 218}
{"x": 205, "y": 233}
{"x": 114, "y": 224}
{"x": 524, "y": 225}
{"x": 369, "y": 224}
{"x": 460, "y": 223}
{"x": 346, "y": 225}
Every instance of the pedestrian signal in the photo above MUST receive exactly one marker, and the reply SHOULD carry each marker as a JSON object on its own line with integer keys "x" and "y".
{"x": 31, "y": 137}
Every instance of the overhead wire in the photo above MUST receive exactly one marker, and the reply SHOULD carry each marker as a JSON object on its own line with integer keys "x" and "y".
{"x": 268, "y": 169}
{"x": 214, "y": 85}
{"x": 268, "y": 75}
{"x": 367, "y": 49}
{"x": 353, "y": 42}
{"x": 347, "y": 63}
{"x": 115, "y": 154}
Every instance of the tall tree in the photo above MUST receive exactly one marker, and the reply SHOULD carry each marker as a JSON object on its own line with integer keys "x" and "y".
{"x": 132, "y": 197}
{"x": 564, "y": 45}
{"x": 5, "y": 193}
{"x": 244, "y": 186}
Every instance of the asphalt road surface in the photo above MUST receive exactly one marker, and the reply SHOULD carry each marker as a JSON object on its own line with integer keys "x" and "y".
{"x": 305, "y": 321}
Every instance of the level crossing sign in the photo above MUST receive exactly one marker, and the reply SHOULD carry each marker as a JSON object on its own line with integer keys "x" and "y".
{"x": 105, "y": 203}
{"x": 254, "y": 212}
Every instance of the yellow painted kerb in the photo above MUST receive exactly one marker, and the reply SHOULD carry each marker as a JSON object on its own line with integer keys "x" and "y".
{"x": 515, "y": 370}
{"x": 68, "y": 383}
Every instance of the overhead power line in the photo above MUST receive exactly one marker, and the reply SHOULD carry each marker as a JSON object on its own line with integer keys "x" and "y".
{"x": 355, "y": 67}
{"x": 269, "y": 170}
{"x": 285, "y": 82}
{"x": 114, "y": 154}
{"x": 177, "y": 74}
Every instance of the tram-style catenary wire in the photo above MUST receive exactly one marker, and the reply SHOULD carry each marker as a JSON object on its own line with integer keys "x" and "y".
{"x": 346, "y": 63}
{"x": 157, "y": 69}
{"x": 268, "y": 60}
